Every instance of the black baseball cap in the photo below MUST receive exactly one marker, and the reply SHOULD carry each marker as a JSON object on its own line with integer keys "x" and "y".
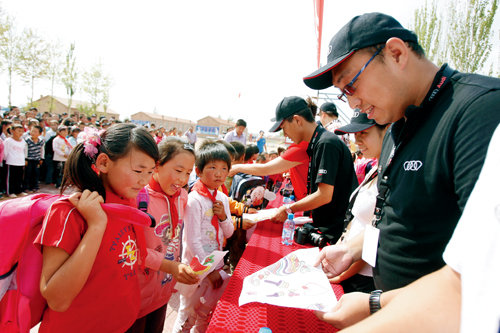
{"x": 329, "y": 108}
{"x": 361, "y": 31}
{"x": 359, "y": 122}
{"x": 287, "y": 108}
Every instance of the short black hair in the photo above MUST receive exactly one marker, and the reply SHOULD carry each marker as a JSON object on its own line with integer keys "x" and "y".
{"x": 39, "y": 128}
{"x": 241, "y": 122}
{"x": 211, "y": 151}
{"x": 305, "y": 113}
{"x": 414, "y": 46}
{"x": 239, "y": 148}
{"x": 250, "y": 150}
{"x": 229, "y": 147}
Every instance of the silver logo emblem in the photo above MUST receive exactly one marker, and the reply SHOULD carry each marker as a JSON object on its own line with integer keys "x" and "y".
{"x": 412, "y": 165}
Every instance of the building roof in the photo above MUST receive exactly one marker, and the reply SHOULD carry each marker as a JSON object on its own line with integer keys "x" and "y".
{"x": 218, "y": 120}
{"x": 165, "y": 118}
{"x": 75, "y": 103}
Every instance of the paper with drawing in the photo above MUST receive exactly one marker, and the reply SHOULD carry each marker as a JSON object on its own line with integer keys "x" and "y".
{"x": 292, "y": 282}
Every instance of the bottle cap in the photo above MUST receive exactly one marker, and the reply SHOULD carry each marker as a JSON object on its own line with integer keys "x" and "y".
{"x": 290, "y": 216}
{"x": 265, "y": 330}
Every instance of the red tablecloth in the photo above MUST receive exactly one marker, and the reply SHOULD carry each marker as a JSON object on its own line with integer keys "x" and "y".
{"x": 263, "y": 249}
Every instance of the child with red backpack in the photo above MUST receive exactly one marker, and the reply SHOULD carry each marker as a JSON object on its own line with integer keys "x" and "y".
{"x": 167, "y": 203}
{"x": 90, "y": 262}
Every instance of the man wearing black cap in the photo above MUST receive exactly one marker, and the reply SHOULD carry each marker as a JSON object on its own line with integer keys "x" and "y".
{"x": 331, "y": 177}
{"x": 432, "y": 155}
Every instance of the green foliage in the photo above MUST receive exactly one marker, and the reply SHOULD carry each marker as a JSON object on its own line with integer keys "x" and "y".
{"x": 54, "y": 67}
{"x": 96, "y": 85}
{"x": 470, "y": 33}
{"x": 10, "y": 49}
{"x": 34, "y": 62}
{"x": 427, "y": 26}
{"x": 467, "y": 42}
{"x": 86, "y": 109}
{"x": 70, "y": 74}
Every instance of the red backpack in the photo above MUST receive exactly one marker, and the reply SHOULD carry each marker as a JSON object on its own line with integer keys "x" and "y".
{"x": 21, "y": 303}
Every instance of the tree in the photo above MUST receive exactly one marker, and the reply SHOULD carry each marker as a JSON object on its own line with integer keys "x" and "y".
{"x": 427, "y": 26}
{"x": 96, "y": 84}
{"x": 9, "y": 50}
{"x": 34, "y": 62}
{"x": 70, "y": 74}
{"x": 470, "y": 33}
{"x": 54, "y": 68}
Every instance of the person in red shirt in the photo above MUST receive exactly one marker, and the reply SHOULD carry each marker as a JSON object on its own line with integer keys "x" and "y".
{"x": 91, "y": 262}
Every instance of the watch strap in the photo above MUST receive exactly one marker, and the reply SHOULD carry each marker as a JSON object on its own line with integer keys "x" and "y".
{"x": 374, "y": 301}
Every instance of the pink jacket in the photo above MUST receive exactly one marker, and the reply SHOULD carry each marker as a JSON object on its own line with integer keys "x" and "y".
{"x": 162, "y": 243}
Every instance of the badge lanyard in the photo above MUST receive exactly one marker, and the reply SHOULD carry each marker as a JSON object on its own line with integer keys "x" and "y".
{"x": 310, "y": 149}
{"x": 430, "y": 100}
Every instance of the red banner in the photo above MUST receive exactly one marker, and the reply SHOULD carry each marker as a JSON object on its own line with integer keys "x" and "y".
{"x": 318, "y": 23}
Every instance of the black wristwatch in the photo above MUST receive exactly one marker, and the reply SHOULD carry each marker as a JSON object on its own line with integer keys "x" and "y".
{"x": 375, "y": 301}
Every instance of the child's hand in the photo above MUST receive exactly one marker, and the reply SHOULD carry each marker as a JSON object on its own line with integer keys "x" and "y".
{"x": 218, "y": 209}
{"x": 88, "y": 205}
{"x": 215, "y": 279}
{"x": 252, "y": 210}
{"x": 185, "y": 274}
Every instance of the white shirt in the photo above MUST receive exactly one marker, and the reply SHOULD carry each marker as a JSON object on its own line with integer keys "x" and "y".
{"x": 232, "y": 136}
{"x": 198, "y": 237}
{"x": 60, "y": 149}
{"x": 474, "y": 249}
{"x": 15, "y": 152}
{"x": 362, "y": 210}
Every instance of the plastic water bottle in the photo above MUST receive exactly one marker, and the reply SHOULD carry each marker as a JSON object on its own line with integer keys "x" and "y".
{"x": 288, "y": 200}
{"x": 288, "y": 231}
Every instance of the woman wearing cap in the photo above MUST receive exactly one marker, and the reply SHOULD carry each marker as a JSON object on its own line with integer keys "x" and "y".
{"x": 369, "y": 137}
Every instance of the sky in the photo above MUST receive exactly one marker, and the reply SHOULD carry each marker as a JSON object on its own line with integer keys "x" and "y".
{"x": 189, "y": 59}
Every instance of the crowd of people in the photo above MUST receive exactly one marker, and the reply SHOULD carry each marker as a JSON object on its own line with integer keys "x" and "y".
{"x": 35, "y": 146}
{"x": 388, "y": 209}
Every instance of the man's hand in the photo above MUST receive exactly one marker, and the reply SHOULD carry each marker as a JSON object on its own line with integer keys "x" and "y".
{"x": 234, "y": 170}
{"x": 280, "y": 215}
{"x": 185, "y": 274}
{"x": 350, "y": 309}
{"x": 215, "y": 279}
{"x": 247, "y": 224}
{"x": 335, "y": 259}
{"x": 218, "y": 209}
{"x": 252, "y": 211}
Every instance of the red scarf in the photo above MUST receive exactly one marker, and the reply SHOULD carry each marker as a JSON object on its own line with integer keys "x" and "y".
{"x": 174, "y": 216}
{"x": 224, "y": 190}
{"x": 202, "y": 190}
{"x": 66, "y": 141}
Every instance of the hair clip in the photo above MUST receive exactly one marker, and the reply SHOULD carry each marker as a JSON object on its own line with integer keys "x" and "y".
{"x": 188, "y": 146}
{"x": 91, "y": 142}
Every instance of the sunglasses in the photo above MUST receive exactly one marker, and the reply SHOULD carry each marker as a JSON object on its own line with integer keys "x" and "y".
{"x": 349, "y": 90}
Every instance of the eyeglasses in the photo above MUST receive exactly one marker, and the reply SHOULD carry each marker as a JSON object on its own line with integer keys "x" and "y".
{"x": 349, "y": 89}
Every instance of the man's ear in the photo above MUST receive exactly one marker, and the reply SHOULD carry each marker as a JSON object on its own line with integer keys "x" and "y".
{"x": 103, "y": 163}
{"x": 397, "y": 51}
{"x": 298, "y": 119}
